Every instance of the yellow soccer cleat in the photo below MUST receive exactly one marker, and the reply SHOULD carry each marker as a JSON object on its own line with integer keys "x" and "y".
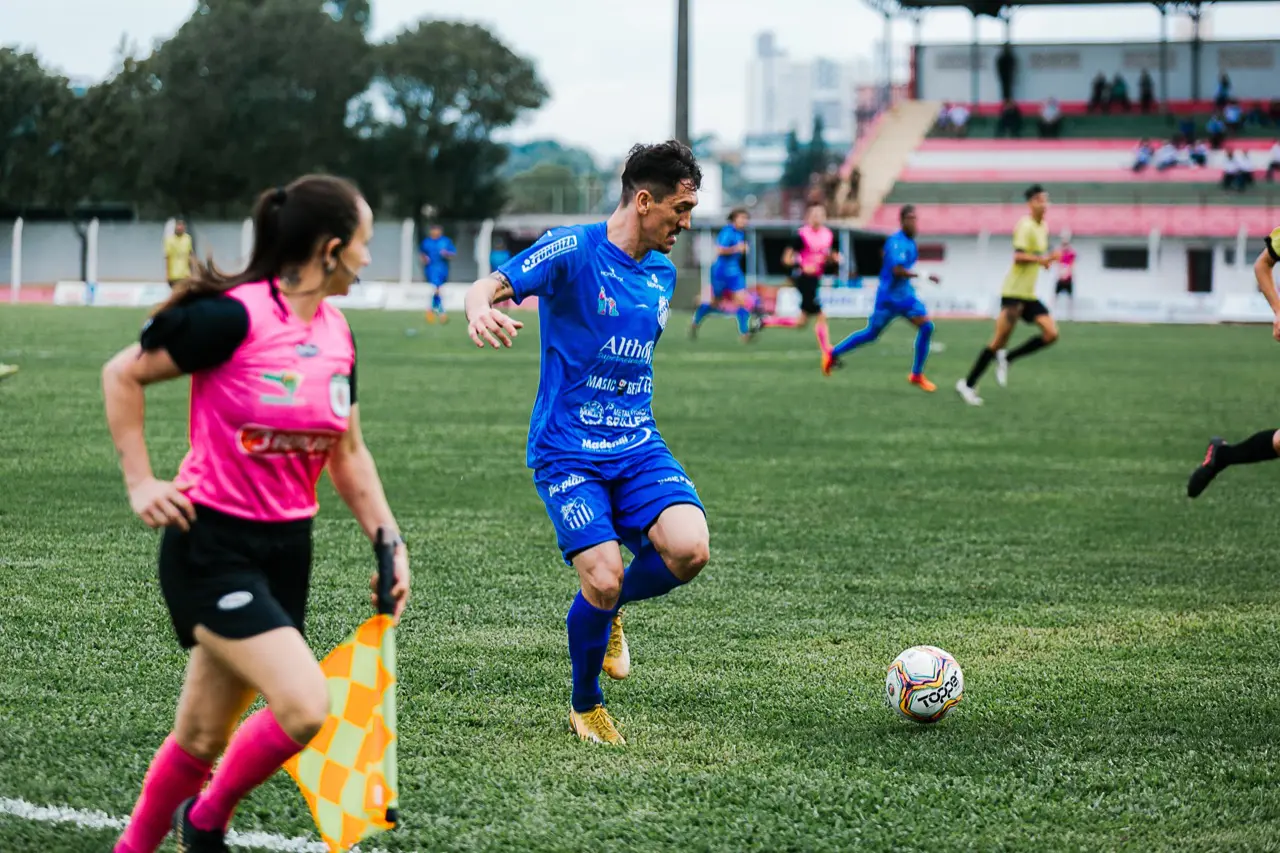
{"x": 617, "y": 657}
{"x": 595, "y": 726}
{"x": 431, "y": 316}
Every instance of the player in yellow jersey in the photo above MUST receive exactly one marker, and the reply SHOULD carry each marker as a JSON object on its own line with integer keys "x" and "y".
{"x": 178, "y": 254}
{"x": 1018, "y": 298}
{"x": 1261, "y": 446}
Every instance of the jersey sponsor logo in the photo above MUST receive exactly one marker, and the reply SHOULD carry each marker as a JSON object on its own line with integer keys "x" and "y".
{"x": 620, "y": 386}
{"x": 679, "y": 479}
{"x": 286, "y": 384}
{"x": 616, "y": 417}
{"x": 340, "y": 395}
{"x": 591, "y": 413}
{"x": 235, "y": 600}
{"x": 567, "y": 243}
{"x": 634, "y": 439}
{"x": 307, "y": 350}
{"x": 613, "y": 274}
{"x": 566, "y": 484}
{"x": 264, "y": 441}
{"x": 577, "y": 514}
{"x": 606, "y": 305}
{"x": 654, "y": 283}
{"x": 629, "y": 350}
{"x": 664, "y": 312}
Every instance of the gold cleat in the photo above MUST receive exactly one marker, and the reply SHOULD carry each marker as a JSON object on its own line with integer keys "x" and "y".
{"x": 595, "y": 726}
{"x": 617, "y": 657}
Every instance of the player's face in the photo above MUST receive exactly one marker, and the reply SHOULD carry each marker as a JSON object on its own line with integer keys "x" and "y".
{"x": 740, "y": 221}
{"x": 179, "y": 228}
{"x": 1039, "y": 204}
{"x": 662, "y": 221}
{"x": 435, "y": 232}
{"x": 354, "y": 256}
{"x": 815, "y": 216}
{"x": 909, "y": 225}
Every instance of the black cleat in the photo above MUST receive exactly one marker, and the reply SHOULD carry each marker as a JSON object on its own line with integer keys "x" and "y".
{"x": 1209, "y": 468}
{"x": 192, "y": 840}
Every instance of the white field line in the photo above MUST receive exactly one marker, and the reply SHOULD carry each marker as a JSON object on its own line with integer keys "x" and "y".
{"x": 94, "y": 819}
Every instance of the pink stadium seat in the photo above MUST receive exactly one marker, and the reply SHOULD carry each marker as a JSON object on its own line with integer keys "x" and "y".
{"x": 1100, "y": 220}
{"x": 1049, "y": 174}
{"x": 970, "y": 145}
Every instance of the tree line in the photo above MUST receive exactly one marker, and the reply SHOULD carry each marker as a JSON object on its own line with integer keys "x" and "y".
{"x": 250, "y": 93}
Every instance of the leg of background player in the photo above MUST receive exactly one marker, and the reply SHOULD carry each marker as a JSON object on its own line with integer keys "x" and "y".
{"x": 924, "y": 335}
{"x": 1004, "y": 327}
{"x": 1048, "y": 334}
{"x": 1259, "y": 447}
{"x": 743, "y": 314}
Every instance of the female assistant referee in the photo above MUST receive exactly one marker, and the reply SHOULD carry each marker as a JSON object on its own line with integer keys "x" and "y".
{"x": 273, "y": 402}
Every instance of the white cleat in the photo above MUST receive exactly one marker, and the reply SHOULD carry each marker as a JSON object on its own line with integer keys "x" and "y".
{"x": 968, "y": 394}
{"x": 1002, "y": 368}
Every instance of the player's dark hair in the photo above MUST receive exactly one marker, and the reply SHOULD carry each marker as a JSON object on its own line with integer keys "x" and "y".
{"x": 1033, "y": 191}
{"x": 289, "y": 224}
{"x": 907, "y": 210}
{"x": 738, "y": 211}
{"x": 660, "y": 169}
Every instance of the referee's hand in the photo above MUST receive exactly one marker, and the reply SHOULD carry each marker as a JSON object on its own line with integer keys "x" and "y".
{"x": 400, "y": 589}
{"x": 491, "y": 326}
{"x": 161, "y": 503}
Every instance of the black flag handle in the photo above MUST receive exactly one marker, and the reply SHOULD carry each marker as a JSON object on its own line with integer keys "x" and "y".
{"x": 385, "y": 550}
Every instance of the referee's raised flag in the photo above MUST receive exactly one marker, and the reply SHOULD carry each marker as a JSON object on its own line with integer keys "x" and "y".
{"x": 348, "y": 772}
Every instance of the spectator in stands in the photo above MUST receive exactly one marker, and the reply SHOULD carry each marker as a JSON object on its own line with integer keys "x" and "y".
{"x": 959, "y": 119}
{"x": 1167, "y": 156}
{"x": 1120, "y": 93}
{"x": 1142, "y": 156}
{"x": 1273, "y": 161}
{"x": 1229, "y": 172}
{"x": 1187, "y": 127}
{"x": 1274, "y": 112}
{"x": 1098, "y": 94}
{"x": 1233, "y": 116}
{"x": 1051, "y": 120}
{"x": 1257, "y": 115}
{"x": 943, "y": 124}
{"x": 1224, "y": 91}
{"x": 1200, "y": 154}
{"x": 1006, "y": 67}
{"x": 1244, "y": 169}
{"x": 1010, "y": 120}
{"x": 1217, "y": 130}
{"x": 1146, "y": 92}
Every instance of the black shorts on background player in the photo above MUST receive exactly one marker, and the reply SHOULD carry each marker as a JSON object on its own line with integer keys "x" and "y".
{"x": 1065, "y": 285}
{"x": 237, "y": 578}
{"x": 1029, "y": 310}
{"x": 807, "y": 286}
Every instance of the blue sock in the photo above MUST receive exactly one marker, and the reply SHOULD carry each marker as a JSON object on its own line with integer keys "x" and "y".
{"x": 701, "y": 313}
{"x": 923, "y": 335}
{"x": 588, "y": 628}
{"x": 744, "y": 321}
{"x": 437, "y": 304}
{"x": 647, "y": 577}
{"x": 857, "y": 339}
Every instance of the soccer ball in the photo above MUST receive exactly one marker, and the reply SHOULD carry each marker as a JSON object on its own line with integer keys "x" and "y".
{"x": 923, "y": 684}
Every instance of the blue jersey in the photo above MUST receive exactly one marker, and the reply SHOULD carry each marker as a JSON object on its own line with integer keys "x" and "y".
{"x": 899, "y": 251}
{"x": 728, "y": 266}
{"x": 600, "y": 313}
{"x": 437, "y": 269}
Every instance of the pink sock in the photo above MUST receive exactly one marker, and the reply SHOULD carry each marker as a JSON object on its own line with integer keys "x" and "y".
{"x": 174, "y": 775}
{"x": 789, "y": 322}
{"x": 824, "y": 338}
{"x": 256, "y": 751}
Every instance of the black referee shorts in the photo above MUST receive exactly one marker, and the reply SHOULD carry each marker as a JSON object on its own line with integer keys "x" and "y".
{"x": 235, "y": 577}
{"x": 1029, "y": 310}
{"x": 807, "y": 285}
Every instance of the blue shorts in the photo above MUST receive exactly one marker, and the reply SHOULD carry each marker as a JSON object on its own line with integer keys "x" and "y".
{"x": 436, "y": 277}
{"x": 888, "y": 309}
{"x": 732, "y": 281}
{"x": 595, "y": 501}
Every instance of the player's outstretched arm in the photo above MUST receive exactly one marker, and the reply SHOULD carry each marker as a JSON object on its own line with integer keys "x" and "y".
{"x": 1264, "y": 271}
{"x": 356, "y": 480}
{"x": 486, "y": 324}
{"x": 159, "y": 503}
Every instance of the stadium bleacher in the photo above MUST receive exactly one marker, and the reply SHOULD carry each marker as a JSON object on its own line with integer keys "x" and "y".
{"x": 1078, "y": 123}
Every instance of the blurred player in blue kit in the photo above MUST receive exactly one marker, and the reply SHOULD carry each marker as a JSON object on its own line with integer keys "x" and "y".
{"x": 437, "y": 251}
{"x": 729, "y": 275}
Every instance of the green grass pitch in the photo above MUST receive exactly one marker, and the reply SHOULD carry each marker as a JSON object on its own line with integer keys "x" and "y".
{"x": 1117, "y": 639}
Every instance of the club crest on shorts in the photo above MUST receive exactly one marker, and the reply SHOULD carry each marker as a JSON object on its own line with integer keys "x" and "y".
{"x": 235, "y": 600}
{"x": 340, "y": 395}
{"x": 577, "y": 514}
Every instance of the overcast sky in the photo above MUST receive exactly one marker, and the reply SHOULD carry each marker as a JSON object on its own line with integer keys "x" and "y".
{"x": 609, "y": 63}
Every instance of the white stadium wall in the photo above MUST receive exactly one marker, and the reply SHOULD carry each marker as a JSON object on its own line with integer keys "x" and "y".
{"x": 1065, "y": 71}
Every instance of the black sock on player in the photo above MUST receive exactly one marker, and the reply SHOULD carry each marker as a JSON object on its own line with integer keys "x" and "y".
{"x": 1259, "y": 447}
{"x": 980, "y": 366}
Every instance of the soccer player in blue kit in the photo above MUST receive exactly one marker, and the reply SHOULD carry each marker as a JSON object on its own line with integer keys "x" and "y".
{"x": 896, "y": 297}
{"x": 728, "y": 274}
{"x": 436, "y": 252}
{"x": 600, "y": 466}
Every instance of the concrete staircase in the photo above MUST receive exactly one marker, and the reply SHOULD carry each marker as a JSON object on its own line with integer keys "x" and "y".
{"x": 900, "y": 131}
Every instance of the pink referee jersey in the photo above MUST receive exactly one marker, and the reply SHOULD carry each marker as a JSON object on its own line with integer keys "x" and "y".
{"x": 1067, "y": 264}
{"x": 264, "y": 422}
{"x": 815, "y": 246}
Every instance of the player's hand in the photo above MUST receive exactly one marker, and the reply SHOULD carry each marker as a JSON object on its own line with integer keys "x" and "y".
{"x": 1046, "y": 261}
{"x": 935, "y": 278}
{"x": 493, "y": 327}
{"x": 161, "y": 503}
{"x": 399, "y": 589}
{"x": 1275, "y": 328}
